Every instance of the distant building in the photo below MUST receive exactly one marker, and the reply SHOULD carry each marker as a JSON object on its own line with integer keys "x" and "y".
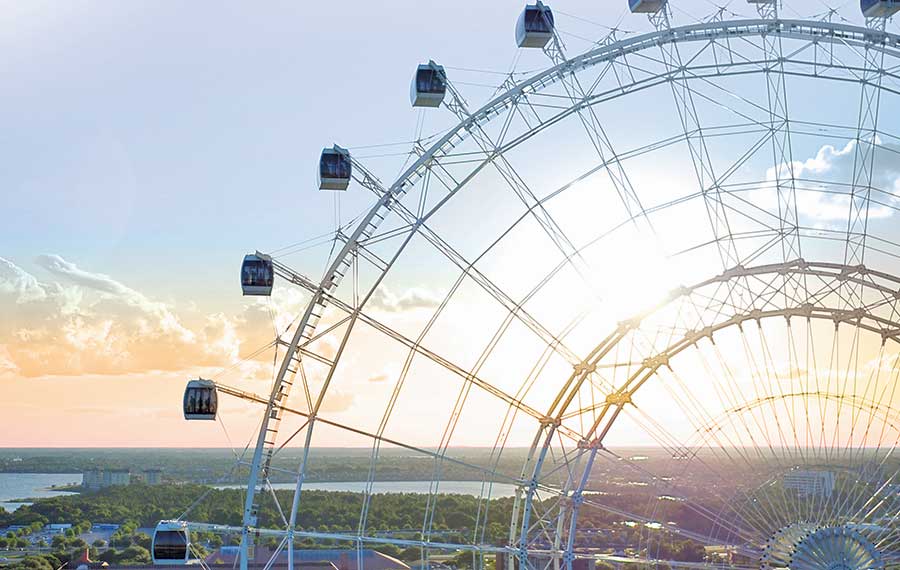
{"x": 116, "y": 477}
{"x": 105, "y": 527}
{"x": 100, "y": 478}
{"x": 724, "y": 553}
{"x": 809, "y": 483}
{"x": 92, "y": 479}
{"x": 153, "y": 476}
{"x": 58, "y": 528}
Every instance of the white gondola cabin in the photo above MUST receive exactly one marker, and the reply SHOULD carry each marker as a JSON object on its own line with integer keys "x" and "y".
{"x": 171, "y": 543}
{"x": 201, "y": 400}
{"x": 334, "y": 169}
{"x": 257, "y": 274}
{"x": 646, "y": 6}
{"x": 429, "y": 86}
{"x": 879, "y": 8}
{"x": 535, "y": 26}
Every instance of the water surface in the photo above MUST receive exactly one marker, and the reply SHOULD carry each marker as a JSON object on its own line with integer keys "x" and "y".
{"x": 474, "y": 488}
{"x": 32, "y": 486}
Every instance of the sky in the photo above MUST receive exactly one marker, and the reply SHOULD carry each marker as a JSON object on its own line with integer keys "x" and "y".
{"x": 146, "y": 147}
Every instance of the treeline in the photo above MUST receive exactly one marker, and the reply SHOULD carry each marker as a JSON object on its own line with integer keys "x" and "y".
{"x": 218, "y": 465}
{"x": 334, "y": 511}
{"x": 451, "y": 518}
{"x": 325, "y": 511}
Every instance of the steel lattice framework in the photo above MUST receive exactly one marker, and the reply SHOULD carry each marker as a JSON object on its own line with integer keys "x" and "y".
{"x": 767, "y": 275}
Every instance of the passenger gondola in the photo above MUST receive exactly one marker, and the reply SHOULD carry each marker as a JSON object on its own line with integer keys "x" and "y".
{"x": 200, "y": 400}
{"x": 879, "y": 8}
{"x": 429, "y": 86}
{"x": 535, "y": 26}
{"x": 171, "y": 543}
{"x": 257, "y": 274}
{"x": 646, "y": 6}
{"x": 334, "y": 169}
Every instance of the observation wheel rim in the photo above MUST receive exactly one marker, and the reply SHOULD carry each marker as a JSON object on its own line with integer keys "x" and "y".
{"x": 800, "y": 29}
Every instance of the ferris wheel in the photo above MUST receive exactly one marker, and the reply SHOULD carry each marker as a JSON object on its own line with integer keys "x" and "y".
{"x": 690, "y": 324}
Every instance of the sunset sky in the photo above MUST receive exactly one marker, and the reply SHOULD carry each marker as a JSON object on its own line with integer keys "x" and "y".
{"x": 147, "y": 147}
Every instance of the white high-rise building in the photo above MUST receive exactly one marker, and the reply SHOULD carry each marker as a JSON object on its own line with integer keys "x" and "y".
{"x": 809, "y": 483}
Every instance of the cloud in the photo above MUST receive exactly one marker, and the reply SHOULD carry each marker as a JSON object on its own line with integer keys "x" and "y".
{"x": 386, "y": 374}
{"x": 384, "y": 300}
{"x": 7, "y": 366}
{"x": 90, "y": 323}
{"x": 835, "y": 165}
{"x": 115, "y": 290}
{"x": 59, "y": 266}
{"x": 76, "y": 322}
{"x": 378, "y": 378}
{"x": 22, "y": 286}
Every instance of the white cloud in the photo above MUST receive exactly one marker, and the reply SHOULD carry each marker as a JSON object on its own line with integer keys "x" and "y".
{"x": 94, "y": 324}
{"x": 386, "y": 374}
{"x": 115, "y": 290}
{"x": 21, "y": 285}
{"x": 385, "y": 300}
{"x": 83, "y": 322}
{"x": 7, "y": 366}
{"x": 378, "y": 378}
{"x": 835, "y": 165}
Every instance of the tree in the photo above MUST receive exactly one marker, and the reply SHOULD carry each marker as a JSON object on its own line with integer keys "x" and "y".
{"x": 110, "y": 556}
{"x": 389, "y": 549}
{"x": 462, "y": 560}
{"x": 62, "y": 555}
{"x": 32, "y": 563}
{"x": 99, "y": 543}
{"x": 411, "y": 553}
{"x": 199, "y": 551}
{"x": 134, "y": 555}
{"x": 141, "y": 539}
{"x": 122, "y": 538}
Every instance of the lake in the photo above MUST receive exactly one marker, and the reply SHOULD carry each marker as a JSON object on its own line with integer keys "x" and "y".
{"x": 32, "y": 485}
{"x": 473, "y": 488}
{"x": 37, "y": 485}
